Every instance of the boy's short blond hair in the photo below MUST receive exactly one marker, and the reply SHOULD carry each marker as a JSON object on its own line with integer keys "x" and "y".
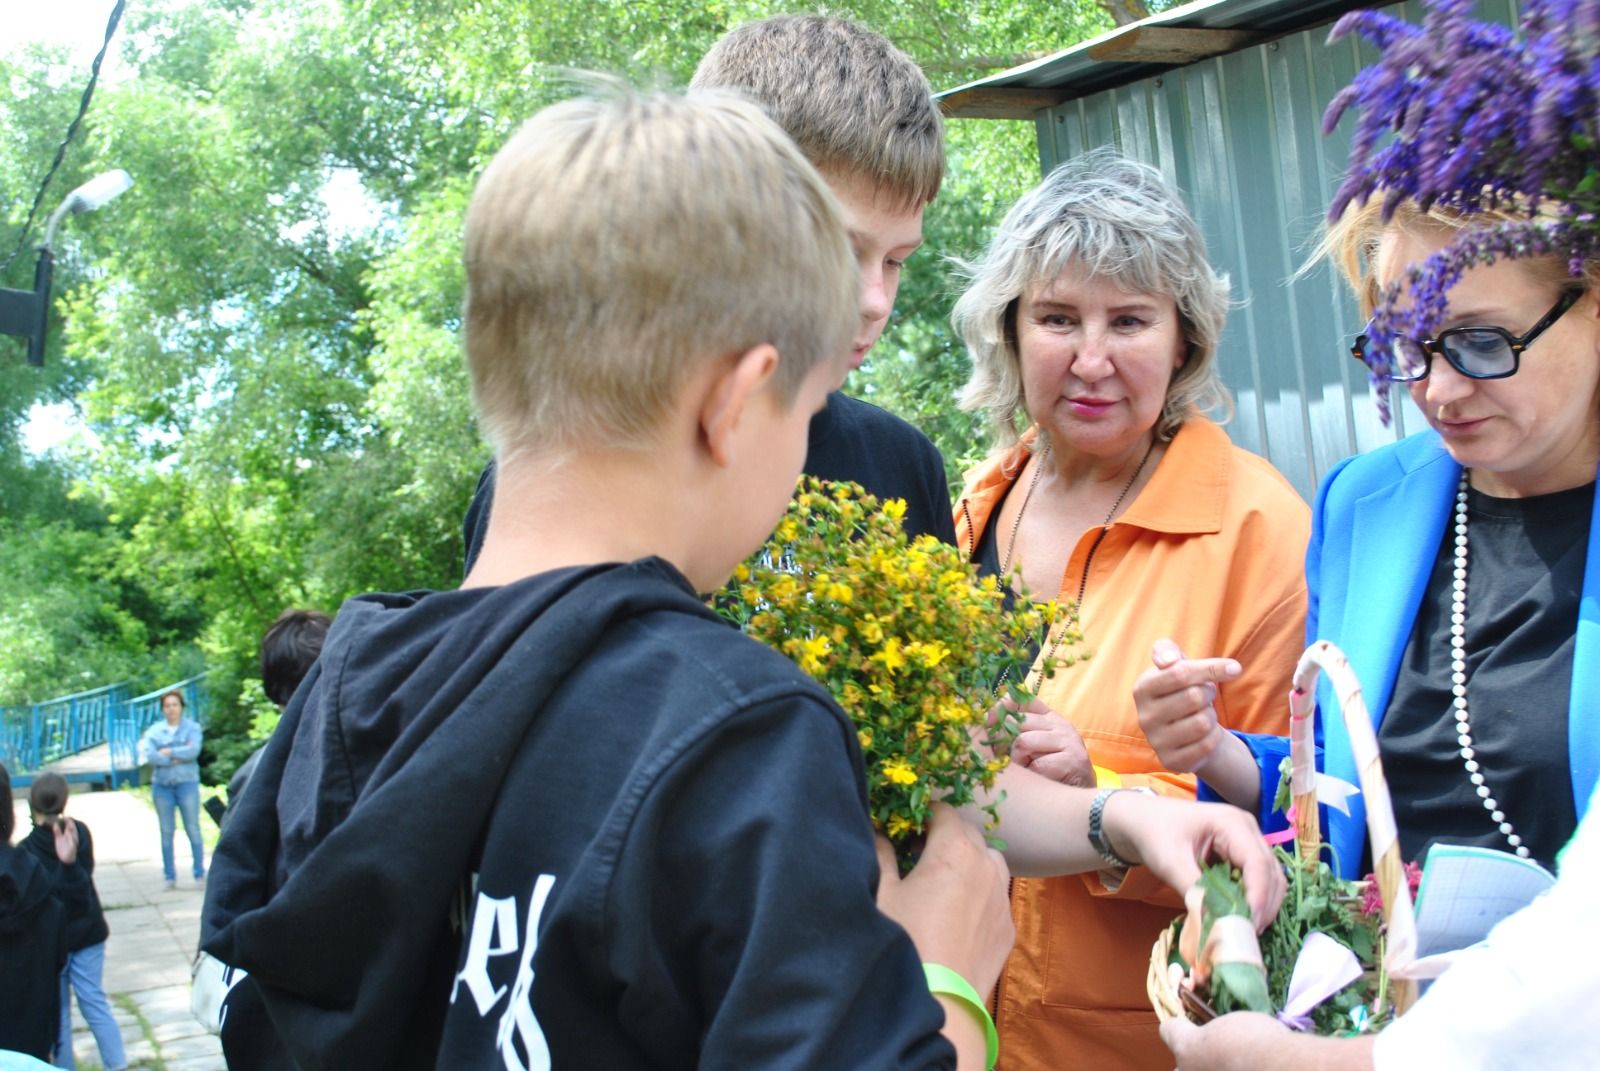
{"x": 857, "y": 106}
{"x": 617, "y": 243}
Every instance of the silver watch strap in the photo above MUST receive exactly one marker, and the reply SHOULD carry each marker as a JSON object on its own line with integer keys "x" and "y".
{"x": 1097, "y": 834}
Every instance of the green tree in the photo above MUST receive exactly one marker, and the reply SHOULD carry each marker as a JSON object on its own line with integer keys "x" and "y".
{"x": 262, "y": 334}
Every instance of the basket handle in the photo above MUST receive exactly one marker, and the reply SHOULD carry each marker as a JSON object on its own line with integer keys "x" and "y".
{"x": 1399, "y": 921}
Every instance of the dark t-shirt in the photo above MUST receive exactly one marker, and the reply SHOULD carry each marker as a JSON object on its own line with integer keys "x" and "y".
{"x": 855, "y": 441}
{"x": 851, "y": 441}
{"x": 1524, "y": 578}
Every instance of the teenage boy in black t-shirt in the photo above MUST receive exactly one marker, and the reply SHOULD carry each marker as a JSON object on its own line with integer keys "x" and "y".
{"x": 863, "y": 113}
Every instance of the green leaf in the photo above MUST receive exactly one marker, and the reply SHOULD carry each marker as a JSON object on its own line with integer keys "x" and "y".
{"x": 1246, "y": 985}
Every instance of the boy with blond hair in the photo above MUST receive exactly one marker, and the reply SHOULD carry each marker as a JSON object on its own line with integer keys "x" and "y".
{"x": 564, "y": 816}
{"x": 863, "y": 113}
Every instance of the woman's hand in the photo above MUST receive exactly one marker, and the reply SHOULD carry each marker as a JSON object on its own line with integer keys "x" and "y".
{"x": 1174, "y": 837}
{"x": 1048, "y": 745}
{"x": 1250, "y": 1041}
{"x": 1176, "y": 703}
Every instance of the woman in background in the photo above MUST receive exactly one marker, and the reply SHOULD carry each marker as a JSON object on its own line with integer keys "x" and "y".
{"x": 171, "y": 747}
{"x": 1093, "y": 319}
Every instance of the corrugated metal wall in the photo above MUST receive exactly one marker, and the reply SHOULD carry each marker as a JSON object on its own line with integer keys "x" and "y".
{"x": 1241, "y": 135}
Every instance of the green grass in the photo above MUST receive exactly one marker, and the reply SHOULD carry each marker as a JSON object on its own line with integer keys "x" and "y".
{"x": 153, "y": 1063}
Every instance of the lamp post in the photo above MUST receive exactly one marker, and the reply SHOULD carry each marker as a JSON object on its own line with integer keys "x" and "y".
{"x": 27, "y": 312}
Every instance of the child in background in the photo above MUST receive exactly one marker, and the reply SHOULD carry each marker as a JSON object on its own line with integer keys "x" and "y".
{"x": 86, "y": 929}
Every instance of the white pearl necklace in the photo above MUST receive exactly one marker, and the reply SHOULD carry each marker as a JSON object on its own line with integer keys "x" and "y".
{"x": 1458, "y": 675}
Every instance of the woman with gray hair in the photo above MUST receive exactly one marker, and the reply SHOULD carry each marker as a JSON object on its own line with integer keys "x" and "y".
{"x": 1093, "y": 321}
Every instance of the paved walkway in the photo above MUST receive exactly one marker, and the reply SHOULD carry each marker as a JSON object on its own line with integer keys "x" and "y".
{"x": 153, "y": 937}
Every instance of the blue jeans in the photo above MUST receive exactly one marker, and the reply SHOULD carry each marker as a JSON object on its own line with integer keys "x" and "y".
{"x": 83, "y": 971}
{"x": 185, "y": 798}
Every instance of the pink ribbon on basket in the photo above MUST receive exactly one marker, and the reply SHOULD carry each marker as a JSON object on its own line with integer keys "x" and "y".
{"x": 1332, "y": 791}
{"x": 1323, "y": 967}
{"x": 1285, "y": 835}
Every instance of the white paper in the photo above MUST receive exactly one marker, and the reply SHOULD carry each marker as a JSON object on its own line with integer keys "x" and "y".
{"x": 1466, "y": 890}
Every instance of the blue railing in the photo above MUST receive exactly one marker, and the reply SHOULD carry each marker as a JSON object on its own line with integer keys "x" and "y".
{"x": 33, "y": 737}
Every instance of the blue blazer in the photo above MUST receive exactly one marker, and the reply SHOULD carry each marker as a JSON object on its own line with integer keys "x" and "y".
{"x": 1375, "y": 531}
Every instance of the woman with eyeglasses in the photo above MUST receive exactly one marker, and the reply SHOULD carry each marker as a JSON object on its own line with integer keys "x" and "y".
{"x": 1453, "y": 568}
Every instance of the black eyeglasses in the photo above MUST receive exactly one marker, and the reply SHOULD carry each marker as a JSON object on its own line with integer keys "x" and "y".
{"x": 1485, "y": 352}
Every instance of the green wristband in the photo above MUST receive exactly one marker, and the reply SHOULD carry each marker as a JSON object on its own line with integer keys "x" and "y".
{"x": 943, "y": 981}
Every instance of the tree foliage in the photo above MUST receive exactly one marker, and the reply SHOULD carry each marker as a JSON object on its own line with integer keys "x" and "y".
{"x": 262, "y": 335}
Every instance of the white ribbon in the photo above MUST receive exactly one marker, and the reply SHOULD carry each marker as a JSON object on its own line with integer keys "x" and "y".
{"x": 1323, "y": 967}
{"x": 1335, "y": 792}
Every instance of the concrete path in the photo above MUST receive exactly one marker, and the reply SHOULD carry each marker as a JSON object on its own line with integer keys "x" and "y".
{"x": 153, "y": 937}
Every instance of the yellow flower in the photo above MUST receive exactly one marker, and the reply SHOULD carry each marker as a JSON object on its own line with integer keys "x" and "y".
{"x": 954, "y": 712}
{"x": 785, "y": 589}
{"x": 890, "y": 656}
{"x": 902, "y": 631}
{"x": 811, "y": 652}
{"x": 898, "y": 772}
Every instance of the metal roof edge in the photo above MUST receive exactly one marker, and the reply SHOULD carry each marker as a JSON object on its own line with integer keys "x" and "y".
{"x": 1087, "y": 67}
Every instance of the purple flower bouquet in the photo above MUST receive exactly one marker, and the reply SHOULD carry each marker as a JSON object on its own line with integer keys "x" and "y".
{"x": 1473, "y": 117}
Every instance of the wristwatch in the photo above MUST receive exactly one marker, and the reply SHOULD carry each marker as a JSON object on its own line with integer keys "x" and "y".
{"x": 1097, "y": 834}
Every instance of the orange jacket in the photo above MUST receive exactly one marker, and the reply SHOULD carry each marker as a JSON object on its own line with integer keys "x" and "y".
{"x": 1211, "y": 553}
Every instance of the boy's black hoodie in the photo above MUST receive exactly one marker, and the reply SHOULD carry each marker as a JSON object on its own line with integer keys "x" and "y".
{"x": 33, "y": 950}
{"x": 576, "y": 821}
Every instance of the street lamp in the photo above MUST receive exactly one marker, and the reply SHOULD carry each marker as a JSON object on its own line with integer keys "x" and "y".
{"x": 27, "y": 312}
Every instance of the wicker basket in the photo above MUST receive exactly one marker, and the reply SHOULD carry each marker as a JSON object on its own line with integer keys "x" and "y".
{"x": 1399, "y": 922}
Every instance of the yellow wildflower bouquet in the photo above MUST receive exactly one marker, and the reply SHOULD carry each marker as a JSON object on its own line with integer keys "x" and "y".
{"x": 914, "y": 645}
